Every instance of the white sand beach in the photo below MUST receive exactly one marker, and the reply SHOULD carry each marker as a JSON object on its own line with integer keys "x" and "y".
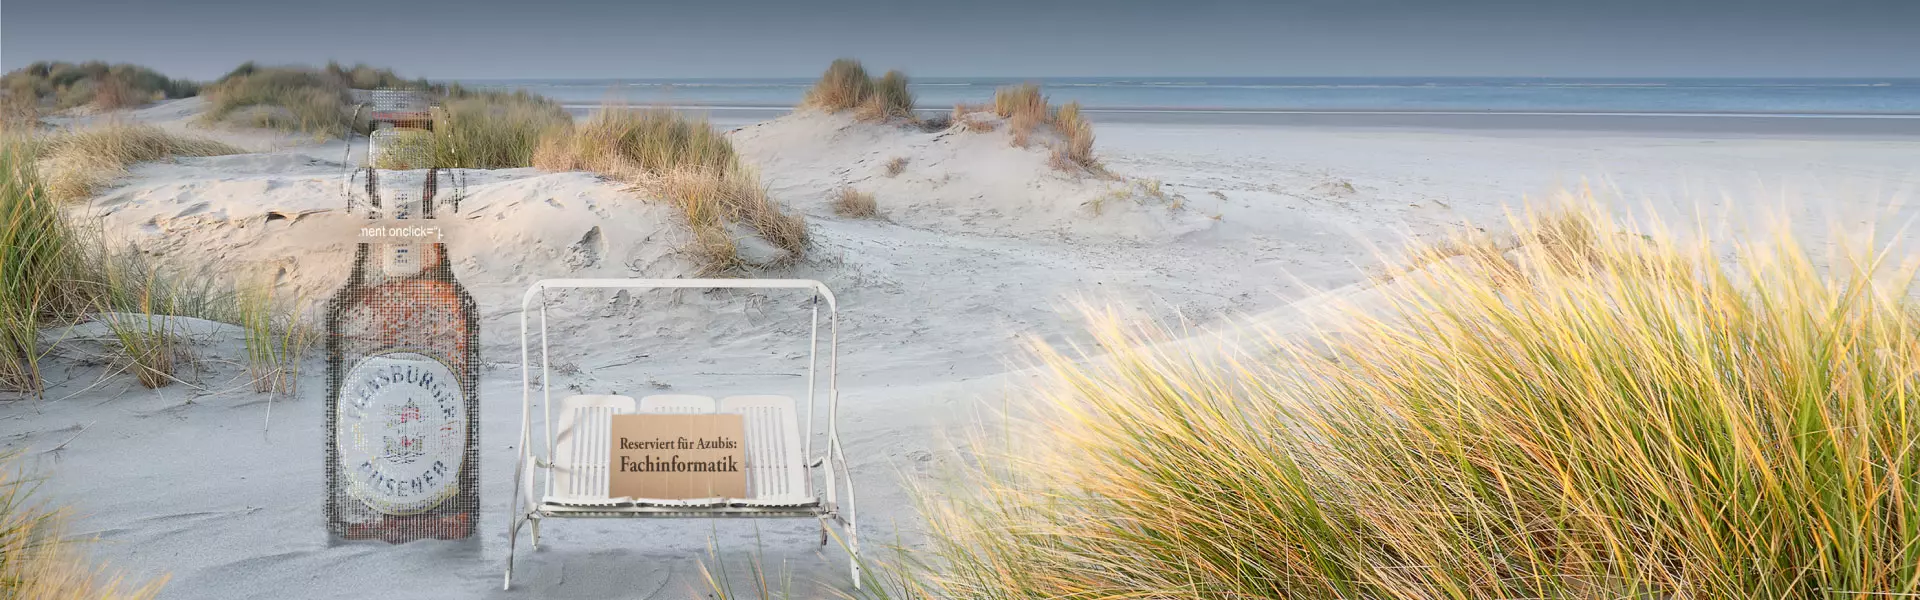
{"x": 980, "y": 246}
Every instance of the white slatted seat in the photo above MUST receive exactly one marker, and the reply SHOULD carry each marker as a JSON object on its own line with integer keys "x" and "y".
{"x": 662, "y": 404}
{"x": 580, "y": 470}
{"x": 776, "y": 471}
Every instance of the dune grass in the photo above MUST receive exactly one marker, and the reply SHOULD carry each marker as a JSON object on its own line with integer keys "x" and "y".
{"x": 685, "y": 161}
{"x": 852, "y": 203}
{"x": 60, "y": 85}
{"x": 80, "y": 161}
{"x": 1077, "y": 146}
{"x": 1026, "y": 110}
{"x": 276, "y": 339}
{"x": 18, "y": 113}
{"x": 480, "y": 130}
{"x": 54, "y": 272}
{"x": 1643, "y": 419}
{"x": 36, "y": 256}
{"x": 896, "y": 166}
{"x": 300, "y": 99}
{"x": 37, "y": 558}
{"x": 847, "y": 86}
{"x": 147, "y": 344}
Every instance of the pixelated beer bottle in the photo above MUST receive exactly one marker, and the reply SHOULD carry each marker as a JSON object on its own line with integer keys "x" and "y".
{"x": 402, "y": 402}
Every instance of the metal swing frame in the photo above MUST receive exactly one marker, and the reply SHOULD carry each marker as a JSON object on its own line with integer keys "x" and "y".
{"x": 826, "y": 503}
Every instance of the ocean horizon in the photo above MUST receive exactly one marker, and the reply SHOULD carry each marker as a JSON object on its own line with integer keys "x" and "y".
{"x": 1885, "y": 97}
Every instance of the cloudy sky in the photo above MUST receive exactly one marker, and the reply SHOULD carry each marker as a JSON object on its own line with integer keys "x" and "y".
{"x": 1029, "y": 38}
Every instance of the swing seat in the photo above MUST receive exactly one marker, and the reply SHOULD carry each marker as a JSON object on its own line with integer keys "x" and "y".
{"x": 776, "y": 474}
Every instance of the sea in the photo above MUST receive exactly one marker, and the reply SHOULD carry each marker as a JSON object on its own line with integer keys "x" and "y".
{"x": 1254, "y": 100}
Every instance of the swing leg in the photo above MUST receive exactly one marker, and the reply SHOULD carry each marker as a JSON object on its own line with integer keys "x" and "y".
{"x": 855, "y": 559}
{"x": 823, "y": 531}
{"x": 513, "y": 534}
{"x": 536, "y": 534}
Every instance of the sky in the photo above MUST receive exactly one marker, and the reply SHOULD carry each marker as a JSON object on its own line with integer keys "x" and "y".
{"x": 446, "y": 39}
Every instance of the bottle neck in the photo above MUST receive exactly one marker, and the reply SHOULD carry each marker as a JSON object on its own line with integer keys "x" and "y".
{"x": 402, "y": 194}
{"x": 401, "y": 199}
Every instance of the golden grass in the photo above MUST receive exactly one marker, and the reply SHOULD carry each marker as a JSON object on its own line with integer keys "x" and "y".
{"x": 896, "y": 166}
{"x": 891, "y": 94}
{"x": 1644, "y": 420}
{"x": 480, "y": 130}
{"x": 1022, "y": 99}
{"x": 18, "y": 112}
{"x": 276, "y": 338}
{"x": 847, "y": 86}
{"x": 852, "y": 203}
{"x": 80, "y": 161}
{"x": 1026, "y": 110}
{"x": 60, "y": 85}
{"x": 1078, "y": 145}
{"x": 37, "y": 559}
{"x": 301, "y": 99}
{"x": 687, "y": 162}
{"x": 36, "y": 256}
{"x": 843, "y": 86}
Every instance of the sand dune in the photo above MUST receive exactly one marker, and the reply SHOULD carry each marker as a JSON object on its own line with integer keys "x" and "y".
{"x": 956, "y": 180}
{"x": 982, "y": 244}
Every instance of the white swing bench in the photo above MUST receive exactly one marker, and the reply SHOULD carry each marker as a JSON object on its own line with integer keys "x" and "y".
{"x": 780, "y": 458}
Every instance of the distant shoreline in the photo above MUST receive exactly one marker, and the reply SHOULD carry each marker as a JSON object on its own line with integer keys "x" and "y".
{"x": 580, "y": 106}
{"x": 1677, "y": 124}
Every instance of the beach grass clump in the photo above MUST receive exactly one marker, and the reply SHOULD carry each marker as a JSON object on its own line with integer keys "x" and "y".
{"x": 148, "y": 345}
{"x": 1658, "y": 423}
{"x": 18, "y": 113}
{"x": 689, "y": 163}
{"x": 896, "y": 166}
{"x": 301, "y": 99}
{"x": 102, "y": 86}
{"x": 80, "y": 161}
{"x": 276, "y": 339}
{"x": 852, "y": 203}
{"x": 1024, "y": 98}
{"x": 890, "y": 99}
{"x": 1077, "y": 147}
{"x": 479, "y": 130}
{"x": 844, "y": 86}
{"x": 1026, "y": 110}
{"x": 37, "y": 255}
{"x": 285, "y": 98}
{"x": 38, "y": 559}
{"x": 847, "y": 86}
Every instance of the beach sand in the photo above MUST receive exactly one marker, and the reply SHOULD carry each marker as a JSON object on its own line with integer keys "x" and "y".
{"x": 981, "y": 246}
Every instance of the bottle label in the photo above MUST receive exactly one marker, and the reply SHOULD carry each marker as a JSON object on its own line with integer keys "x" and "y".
{"x": 403, "y": 432}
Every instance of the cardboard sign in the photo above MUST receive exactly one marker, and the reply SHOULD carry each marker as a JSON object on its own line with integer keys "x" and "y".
{"x": 678, "y": 457}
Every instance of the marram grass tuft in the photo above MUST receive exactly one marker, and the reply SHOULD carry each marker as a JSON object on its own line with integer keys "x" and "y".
{"x": 1634, "y": 417}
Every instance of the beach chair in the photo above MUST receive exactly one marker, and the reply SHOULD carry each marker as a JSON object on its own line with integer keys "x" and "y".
{"x": 781, "y": 463}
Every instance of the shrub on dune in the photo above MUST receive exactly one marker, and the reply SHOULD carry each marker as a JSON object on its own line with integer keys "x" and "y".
{"x": 35, "y": 255}
{"x": 856, "y": 204}
{"x": 286, "y": 98}
{"x": 1078, "y": 145}
{"x": 1638, "y": 420}
{"x": 846, "y": 86}
{"x": 1023, "y": 100}
{"x": 890, "y": 99}
{"x": 1025, "y": 108}
{"x": 480, "y": 130}
{"x": 62, "y": 85}
{"x": 82, "y": 160}
{"x": 300, "y": 99}
{"x": 685, "y": 161}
